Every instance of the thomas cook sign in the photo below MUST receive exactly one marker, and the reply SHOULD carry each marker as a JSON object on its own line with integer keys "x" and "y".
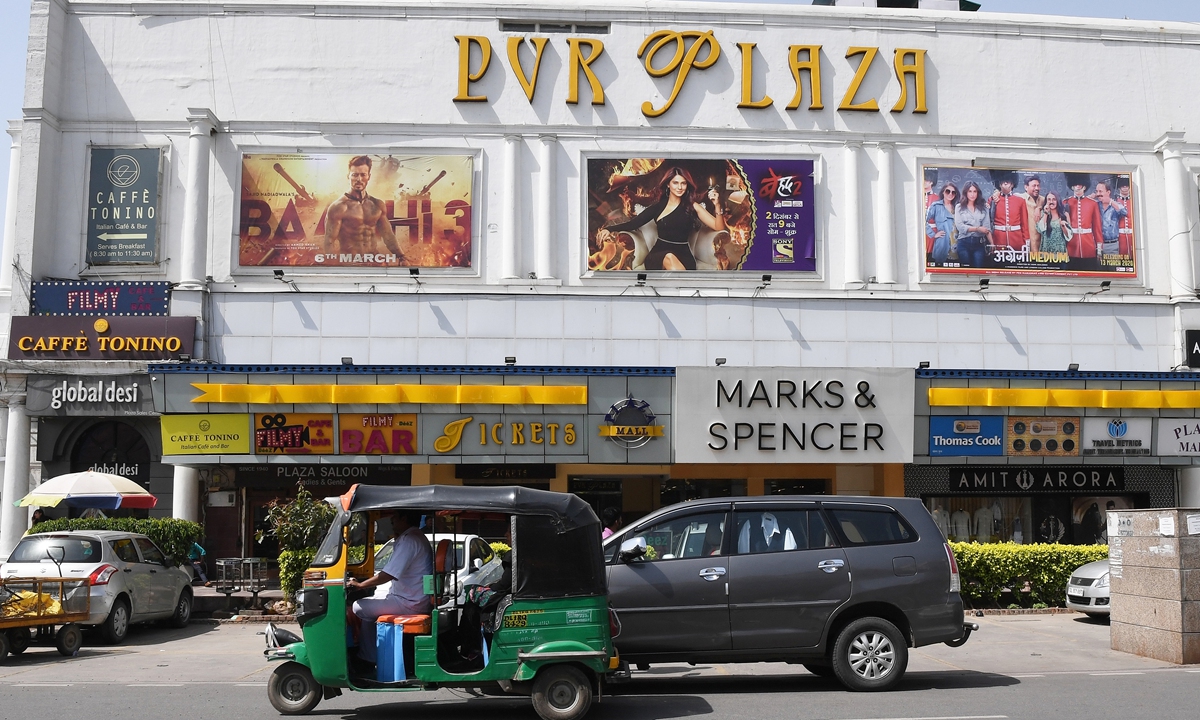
{"x": 794, "y": 415}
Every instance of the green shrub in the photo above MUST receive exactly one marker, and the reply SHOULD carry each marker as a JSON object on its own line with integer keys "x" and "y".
{"x": 299, "y": 524}
{"x": 292, "y": 564}
{"x": 987, "y": 570}
{"x": 174, "y": 537}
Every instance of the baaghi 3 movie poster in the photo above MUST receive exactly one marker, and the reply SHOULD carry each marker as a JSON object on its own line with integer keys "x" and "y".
{"x": 650, "y": 214}
{"x": 318, "y": 210}
{"x": 1028, "y": 222}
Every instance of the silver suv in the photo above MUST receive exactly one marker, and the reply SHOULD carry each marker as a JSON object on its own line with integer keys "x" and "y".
{"x": 842, "y": 585}
{"x": 131, "y": 580}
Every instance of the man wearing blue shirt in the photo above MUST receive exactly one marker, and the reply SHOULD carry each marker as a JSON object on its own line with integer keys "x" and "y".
{"x": 1111, "y": 213}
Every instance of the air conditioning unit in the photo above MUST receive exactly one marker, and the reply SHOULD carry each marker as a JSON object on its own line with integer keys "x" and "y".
{"x": 224, "y": 498}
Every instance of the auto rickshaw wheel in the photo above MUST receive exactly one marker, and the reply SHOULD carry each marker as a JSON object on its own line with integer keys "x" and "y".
{"x": 69, "y": 639}
{"x": 561, "y": 692}
{"x": 18, "y": 640}
{"x": 292, "y": 689}
{"x": 3, "y": 648}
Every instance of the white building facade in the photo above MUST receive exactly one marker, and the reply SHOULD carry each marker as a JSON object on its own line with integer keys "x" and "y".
{"x": 536, "y": 111}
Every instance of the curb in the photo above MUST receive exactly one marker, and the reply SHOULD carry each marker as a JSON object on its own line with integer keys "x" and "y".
{"x": 248, "y": 620}
{"x": 1022, "y": 611}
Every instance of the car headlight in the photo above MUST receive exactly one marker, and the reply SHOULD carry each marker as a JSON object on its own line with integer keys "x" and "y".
{"x": 1103, "y": 581}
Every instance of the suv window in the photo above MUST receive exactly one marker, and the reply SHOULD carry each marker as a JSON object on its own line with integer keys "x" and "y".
{"x": 150, "y": 553}
{"x": 687, "y": 536}
{"x": 872, "y": 527}
{"x": 483, "y": 551}
{"x": 770, "y": 530}
{"x": 124, "y": 550}
{"x": 74, "y": 550}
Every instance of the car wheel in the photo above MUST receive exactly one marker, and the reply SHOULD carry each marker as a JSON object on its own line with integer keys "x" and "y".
{"x": 18, "y": 640}
{"x": 183, "y": 610}
{"x": 561, "y": 692}
{"x": 292, "y": 689}
{"x": 116, "y": 626}
{"x": 870, "y": 654}
{"x": 68, "y": 640}
{"x": 821, "y": 671}
{"x": 3, "y": 648}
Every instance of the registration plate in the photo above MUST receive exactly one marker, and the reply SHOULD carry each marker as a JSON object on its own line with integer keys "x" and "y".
{"x": 1074, "y": 593}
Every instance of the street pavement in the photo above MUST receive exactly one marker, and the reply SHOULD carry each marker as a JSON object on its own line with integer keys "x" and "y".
{"x": 1032, "y": 666}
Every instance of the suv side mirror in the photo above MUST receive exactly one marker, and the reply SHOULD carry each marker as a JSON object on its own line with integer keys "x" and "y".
{"x": 478, "y": 563}
{"x": 632, "y": 549}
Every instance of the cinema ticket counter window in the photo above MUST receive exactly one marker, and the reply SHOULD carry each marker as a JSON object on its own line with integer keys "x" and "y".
{"x": 1067, "y": 519}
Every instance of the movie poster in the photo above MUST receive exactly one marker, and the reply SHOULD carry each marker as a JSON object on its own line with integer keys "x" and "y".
{"x": 652, "y": 214}
{"x": 318, "y": 210}
{"x": 978, "y": 220}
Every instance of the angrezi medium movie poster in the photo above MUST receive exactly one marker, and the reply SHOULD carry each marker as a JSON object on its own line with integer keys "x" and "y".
{"x": 652, "y": 214}
{"x": 326, "y": 210}
{"x": 1036, "y": 222}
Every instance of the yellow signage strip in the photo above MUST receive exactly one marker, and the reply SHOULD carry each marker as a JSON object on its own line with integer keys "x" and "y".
{"x": 631, "y": 431}
{"x": 1063, "y": 397}
{"x": 391, "y": 394}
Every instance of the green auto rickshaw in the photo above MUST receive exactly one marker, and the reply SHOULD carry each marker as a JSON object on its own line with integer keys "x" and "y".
{"x": 545, "y": 634}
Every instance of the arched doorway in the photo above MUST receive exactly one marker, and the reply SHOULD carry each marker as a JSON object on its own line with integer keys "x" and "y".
{"x": 117, "y": 448}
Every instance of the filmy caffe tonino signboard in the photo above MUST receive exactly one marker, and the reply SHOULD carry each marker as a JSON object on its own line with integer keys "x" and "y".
{"x": 112, "y": 338}
{"x": 794, "y": 415}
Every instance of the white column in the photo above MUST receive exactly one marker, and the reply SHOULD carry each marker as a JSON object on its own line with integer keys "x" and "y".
{"x": 10, "y": 208}
{"x": 852, "y": 242}
{"x": 1189, "y": 486}
{"x": 14, "y": 521}
{"x": 1181, "y": 196}
{"x": 511, "y": 207}
{"x": 194, "y": 250}
{"x": 885, "y": 220}
{"x": 185, "y": 494}
{"x": 544, "y": 232}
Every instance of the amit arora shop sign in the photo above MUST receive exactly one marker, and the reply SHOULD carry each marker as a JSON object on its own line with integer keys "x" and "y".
{"x": 794, "y": 415}
{"x": 957, "y": 435}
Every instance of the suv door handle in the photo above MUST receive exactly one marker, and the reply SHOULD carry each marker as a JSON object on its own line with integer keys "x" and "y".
{"x": 831, "y": 566}
{"x": 712, "y": 573}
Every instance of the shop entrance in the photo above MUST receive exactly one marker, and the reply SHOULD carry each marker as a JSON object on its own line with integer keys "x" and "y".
{"x": 115, "y": 448}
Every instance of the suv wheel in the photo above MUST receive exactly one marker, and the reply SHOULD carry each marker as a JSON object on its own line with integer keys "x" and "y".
{"x": 870, "y": 654}
{"x": 116, "y": 625}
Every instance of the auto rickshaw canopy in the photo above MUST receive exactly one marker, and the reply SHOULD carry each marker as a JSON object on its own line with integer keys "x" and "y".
{"x": 556, "y": 541}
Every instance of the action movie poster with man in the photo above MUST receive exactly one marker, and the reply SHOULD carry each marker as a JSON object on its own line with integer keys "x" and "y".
{"x": 978, "y": 220}
{"x": 665, "y": 214}
{"x": 317, "y": 210}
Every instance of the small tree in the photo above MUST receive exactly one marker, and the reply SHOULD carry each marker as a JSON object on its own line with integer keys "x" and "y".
{"x": 299, "y": 524}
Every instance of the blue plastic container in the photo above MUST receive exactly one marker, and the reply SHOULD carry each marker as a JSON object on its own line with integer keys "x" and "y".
{"x": 389, "y": 647}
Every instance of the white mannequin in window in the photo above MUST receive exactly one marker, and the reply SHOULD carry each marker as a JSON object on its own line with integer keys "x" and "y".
{"x": 960, "y": 525}
{"x": 941, "y": 518}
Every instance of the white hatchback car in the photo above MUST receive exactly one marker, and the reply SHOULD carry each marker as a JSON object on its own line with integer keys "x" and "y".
{"x": 1088, "y": 591}
{"x": 131, "y": 580}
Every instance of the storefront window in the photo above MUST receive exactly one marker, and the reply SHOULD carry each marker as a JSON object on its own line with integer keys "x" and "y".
{"x": 677, "y": 491}
{"x": 796, "y": 487}
{"x": 1075, "y": 520}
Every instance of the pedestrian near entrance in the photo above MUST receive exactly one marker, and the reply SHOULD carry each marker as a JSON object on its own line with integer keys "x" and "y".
{"x": 196, "y": 559}
{"x": 612, "y": 521}
{"x": 39, "y": 516}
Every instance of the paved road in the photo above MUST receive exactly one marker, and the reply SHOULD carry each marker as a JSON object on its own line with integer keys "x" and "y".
{"x": 1031, "y": 667}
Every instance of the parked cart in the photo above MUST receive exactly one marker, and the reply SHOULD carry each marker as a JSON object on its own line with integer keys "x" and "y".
{"x": 43, "y": 604}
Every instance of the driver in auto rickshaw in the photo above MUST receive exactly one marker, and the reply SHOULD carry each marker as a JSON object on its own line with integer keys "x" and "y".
{"x": 411, "y": 561}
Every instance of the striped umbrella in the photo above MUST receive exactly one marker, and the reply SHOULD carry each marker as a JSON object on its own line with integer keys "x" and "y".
{"x": 90, "y": 490}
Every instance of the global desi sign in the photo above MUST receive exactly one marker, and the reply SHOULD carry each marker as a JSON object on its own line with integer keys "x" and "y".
{"x": 966, "y": 435}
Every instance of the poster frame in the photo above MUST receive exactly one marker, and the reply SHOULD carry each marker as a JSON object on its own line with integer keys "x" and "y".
{"x": 623, "y": 277}
{"x": 161, "y": 216}
{"x": 972, "y": 276}
{"x": 478, "y": 159}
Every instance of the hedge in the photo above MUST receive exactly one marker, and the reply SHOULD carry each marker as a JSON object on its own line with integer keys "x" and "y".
{"x": 292, "y": 564}
{"x": 987, "y": 570}
{"x": 174, "y": 537}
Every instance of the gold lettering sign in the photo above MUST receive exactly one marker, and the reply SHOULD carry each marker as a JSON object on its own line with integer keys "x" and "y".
{"x": 689, "y": 50}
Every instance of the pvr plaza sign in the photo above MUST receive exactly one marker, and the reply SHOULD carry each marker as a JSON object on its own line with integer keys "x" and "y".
{"x": 794, "y": 415}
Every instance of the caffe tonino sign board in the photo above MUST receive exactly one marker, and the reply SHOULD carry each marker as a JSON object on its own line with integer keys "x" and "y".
{"x": 793, "y": 415}
{"x": 1038, "y": 480}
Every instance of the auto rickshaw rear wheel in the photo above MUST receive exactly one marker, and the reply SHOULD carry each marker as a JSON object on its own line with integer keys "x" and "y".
{"x": 292, "y": 689}
{"x": 3, "y": 648}
{"x": 18, "y": 640}
{"x": 561, "y": 692}
{"x": 69, "y": 639}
